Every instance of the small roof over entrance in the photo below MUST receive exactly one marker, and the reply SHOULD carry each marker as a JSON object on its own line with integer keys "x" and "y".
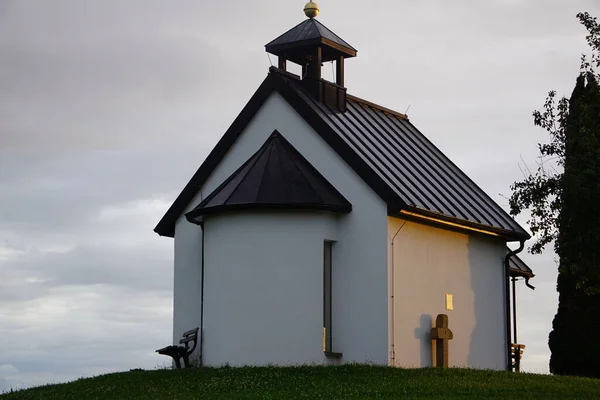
{"x": 276, "y": 176}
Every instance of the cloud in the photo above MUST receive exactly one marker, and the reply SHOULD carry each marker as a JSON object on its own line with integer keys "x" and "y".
{"x": 101, "y": 303}
{"x": 8, "y": 369}
{"x": 85, "y": 330}
{"x": 87, "y": 77}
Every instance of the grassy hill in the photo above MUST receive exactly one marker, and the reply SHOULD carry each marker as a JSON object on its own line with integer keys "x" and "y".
{"x": 344, "y": 382}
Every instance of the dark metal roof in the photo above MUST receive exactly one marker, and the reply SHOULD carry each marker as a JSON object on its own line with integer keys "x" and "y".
{"x": 519, "y": 268}
{"x": 422, "y": 177}
{"x": 396, "y": 160}
{"x": 276, "y": 176}
{"x": 306, "y": 33}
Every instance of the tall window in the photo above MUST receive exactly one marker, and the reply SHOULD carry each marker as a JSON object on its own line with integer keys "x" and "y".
{"x": 327, "y": 275}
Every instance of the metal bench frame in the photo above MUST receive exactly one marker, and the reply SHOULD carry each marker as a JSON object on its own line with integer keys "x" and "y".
{"x": 177, "y": 352}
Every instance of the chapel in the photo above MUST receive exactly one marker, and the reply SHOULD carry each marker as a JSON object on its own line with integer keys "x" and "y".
{"x": 324, "y": 228}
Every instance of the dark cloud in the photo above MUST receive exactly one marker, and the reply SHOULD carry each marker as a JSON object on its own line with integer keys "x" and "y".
{"x": 84, "y": 330}
{"x": 68, "y": 193}
{"x": 134, "y": 268}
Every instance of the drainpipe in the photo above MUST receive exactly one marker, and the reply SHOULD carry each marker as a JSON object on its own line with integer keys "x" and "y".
{"x": 529, "y": 285}
{"x": 201, "y": 224}
{"x": 392, "y": 295}
{"x": 202, "y": 298}
{"x": 514, "y": 307}
{"x": 507, "y": 299}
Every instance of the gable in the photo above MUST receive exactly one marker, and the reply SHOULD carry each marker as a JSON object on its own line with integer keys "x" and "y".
{"x": 406, "y": 170}
{"x": 271, "y": 84}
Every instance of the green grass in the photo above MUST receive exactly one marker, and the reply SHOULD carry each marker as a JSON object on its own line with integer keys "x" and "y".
{"x": 343, "y": 382}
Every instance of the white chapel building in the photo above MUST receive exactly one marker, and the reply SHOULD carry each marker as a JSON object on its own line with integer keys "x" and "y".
{"x": 325, "y": 229}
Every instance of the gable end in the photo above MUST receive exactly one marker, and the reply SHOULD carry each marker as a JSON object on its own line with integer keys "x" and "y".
{"x": 166, "y": 226}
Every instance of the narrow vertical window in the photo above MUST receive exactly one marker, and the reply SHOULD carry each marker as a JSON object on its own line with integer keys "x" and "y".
{"x": 327, "y": 275}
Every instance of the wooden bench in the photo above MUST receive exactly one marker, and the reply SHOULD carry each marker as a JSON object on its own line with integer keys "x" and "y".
{"x": 178, "y": 352}
{"x": 517, "y": 354}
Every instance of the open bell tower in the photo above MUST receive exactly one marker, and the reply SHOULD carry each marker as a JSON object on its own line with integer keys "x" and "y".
{"x": 310, "y": 44}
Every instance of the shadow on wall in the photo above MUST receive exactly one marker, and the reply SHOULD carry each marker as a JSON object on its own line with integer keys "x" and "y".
{"x": 487, "y": 338}
{"x": 423, "y": 333}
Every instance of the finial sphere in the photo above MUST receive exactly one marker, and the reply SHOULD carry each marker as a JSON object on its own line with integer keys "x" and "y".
{"x": 311, "y": 9}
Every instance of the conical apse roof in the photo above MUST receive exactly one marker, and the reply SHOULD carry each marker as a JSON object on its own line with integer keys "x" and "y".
{"x": 276, "y": 176}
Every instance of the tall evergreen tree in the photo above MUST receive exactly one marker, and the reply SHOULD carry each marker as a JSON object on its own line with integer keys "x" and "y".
{"x": 565, "y": 208}
{"x": 575, "y": 338}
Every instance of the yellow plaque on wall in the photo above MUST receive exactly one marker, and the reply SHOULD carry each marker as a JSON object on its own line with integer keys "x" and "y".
{"x": 449, "y": 303}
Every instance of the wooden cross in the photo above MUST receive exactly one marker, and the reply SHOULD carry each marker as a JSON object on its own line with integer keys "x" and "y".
{"x": 441, "y": 334}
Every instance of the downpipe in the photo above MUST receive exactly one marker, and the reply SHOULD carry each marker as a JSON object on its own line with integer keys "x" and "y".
{"x": 392, "y": 300}
{"x": 202, "y": 297}
{"x": 203, "y": 228}
{"x": 507, "y": 300}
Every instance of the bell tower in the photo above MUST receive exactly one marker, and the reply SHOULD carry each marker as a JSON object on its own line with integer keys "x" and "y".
{"x": 310, "y": 44}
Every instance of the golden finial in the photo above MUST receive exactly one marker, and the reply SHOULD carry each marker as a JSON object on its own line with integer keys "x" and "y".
{"x": 311, "y": 9}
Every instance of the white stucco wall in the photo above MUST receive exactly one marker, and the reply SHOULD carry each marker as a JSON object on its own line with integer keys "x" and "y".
{"x": 187, "y": 279}
{"x": 360, "y": 266}
{"x": 263, "y": 298}
{"x": 430, "y": 262}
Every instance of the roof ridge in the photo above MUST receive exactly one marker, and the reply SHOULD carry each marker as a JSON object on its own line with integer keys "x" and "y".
{"x": 377, "y": 106}
{"x": 266, "y": 147}
{"x": 295, "y": 164}
{"x": 348, "y": 95}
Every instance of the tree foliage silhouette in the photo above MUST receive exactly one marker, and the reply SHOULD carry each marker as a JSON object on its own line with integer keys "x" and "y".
{"x": 563, "y": 197}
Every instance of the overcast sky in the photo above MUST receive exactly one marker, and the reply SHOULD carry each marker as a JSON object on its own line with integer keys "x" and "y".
{"x": 108, "y": 107}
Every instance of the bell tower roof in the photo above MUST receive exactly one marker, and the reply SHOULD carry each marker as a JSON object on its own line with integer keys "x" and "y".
{"x": 310, "y": 33}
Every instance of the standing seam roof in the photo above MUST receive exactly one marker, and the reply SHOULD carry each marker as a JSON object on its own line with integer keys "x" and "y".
{"x": 418, "y": 172}
{"x": 389, "y": 153}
